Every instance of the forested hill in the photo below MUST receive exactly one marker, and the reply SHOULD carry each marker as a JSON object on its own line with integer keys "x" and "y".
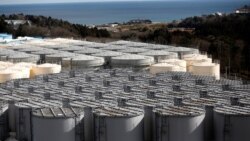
{"x": 48, "y": 27}
{"x": 226, "y": 38}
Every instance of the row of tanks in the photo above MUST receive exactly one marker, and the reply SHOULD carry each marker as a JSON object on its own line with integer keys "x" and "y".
{"x": 77, "y": 54}
{"x": 121, "y": 104}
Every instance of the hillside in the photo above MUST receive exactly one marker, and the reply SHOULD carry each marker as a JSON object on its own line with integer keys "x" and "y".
{"x": 48, "y": 27}
{"x": 225, "y": 37}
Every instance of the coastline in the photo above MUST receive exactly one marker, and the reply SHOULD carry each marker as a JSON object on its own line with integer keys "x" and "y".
{"x": 93, "y": 13}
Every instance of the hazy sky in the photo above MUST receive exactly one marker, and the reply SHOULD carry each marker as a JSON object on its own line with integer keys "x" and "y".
{"x": 62, "y": 1}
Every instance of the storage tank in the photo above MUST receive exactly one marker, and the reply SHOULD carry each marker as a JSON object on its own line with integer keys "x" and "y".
{"x": 107, "y": 55}
{"x": 156, "y": 47}
{"x": 3, "y": 120}
{"x": 176, "y": 62}
{"x": 206, "y": 68}
{"x": 97, "y": 45}
{"x": 6, "y": 75}
{"x": 30, "y": 49}
{"x": 195, "y": 58}
{"x": 245, "y": 102}
{"x": 23, "y": 120}
{"x": 23, "y": 57}
{"x": 23, "y": 69}
{"x": 116, "y": 123}
{"x": 58, "y": 57}
{"x": 137, "y": 44}
{"x": 57, "y": 124}
{"x": 89, "y": 51}
{"x": 179, "y": 123}
{"x": 232, "y": 123}
{"x": 164, "y": 67}
{"x": 82, "y": 62}
{"x": 114, "y": 48}
{"x": 133, "y": 50}
{"x": 209, "y": 104}
{"x": 45, "y": 69}
{"x": 119, "y": 43}
{"x": 160, "y": 55}
{"x": 130, "y": 60}
{"x": 72, "y": 48}
{"x": 183, "y": 51}
{"x": 44, "y": 53}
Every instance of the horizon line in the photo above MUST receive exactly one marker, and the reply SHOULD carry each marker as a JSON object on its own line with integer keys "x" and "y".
{"x": 109, "y": 1}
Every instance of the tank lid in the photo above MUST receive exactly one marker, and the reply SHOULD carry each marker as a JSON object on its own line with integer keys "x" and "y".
{"x": 30, "y": 104}
{"x": 133, "y": 50}
{"x": 89, "y": 51}
{"x": 233, "y": 110}
{"x": 57, "y": 112}
{"x": 200, "y": 101}
{"x": 179, "y": 111}
{"x": 118, "y": 111}
{"x": 108, "y": 54}
{"x": 245, "y": 101}
{"x": 158, "y": 53}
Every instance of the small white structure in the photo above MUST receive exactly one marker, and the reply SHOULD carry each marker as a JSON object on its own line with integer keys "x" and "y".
{"x": 176, "y": 62}
{"x": 164, "y": 67}
{"x": 206, "y": 69}
{"x": 45, "y": 69}
{"x": 195, "y": 58}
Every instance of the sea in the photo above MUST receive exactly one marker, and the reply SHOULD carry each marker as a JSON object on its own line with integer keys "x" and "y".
{"x": 96, "y": 13}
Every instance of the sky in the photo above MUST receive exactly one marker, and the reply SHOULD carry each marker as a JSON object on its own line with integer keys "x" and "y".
{"x": 63, "y": 1}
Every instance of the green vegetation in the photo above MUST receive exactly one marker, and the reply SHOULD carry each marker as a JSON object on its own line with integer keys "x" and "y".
{"x": 48, "y": 27}
{"x": 225, "y": 37}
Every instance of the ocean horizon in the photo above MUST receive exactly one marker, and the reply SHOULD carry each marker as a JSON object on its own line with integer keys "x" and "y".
{"x": 96, "y": 13}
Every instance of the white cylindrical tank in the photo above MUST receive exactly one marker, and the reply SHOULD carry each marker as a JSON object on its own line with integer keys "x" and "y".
{"x": 133, "y": 50}
{"x": 58, "y": 57}
{"x": 179, "y": 123}
{"x": 114, "y": 48}
{"x": 183, "y": 51}
{"x": 45, "y": 69}
{"x": 130, "y": 60}
{"x": 160, "y": 55}
{"x": 164, "y": 67}
{"x": 107, "y": 55}
{"x": 176, "y": 62}
{"x": 232, "y": 123}
{"x": 6, "y": 75}
{"x": 82, "y": 62}
{"x": 89, "y": 51}
{"x": 25, "y": 69}
{"x": 207, "y": 69}
{"x": 23, "y": 57}
{"x": 115, "y": 123}
{"x": 195, "y": 58}
{"x": 57, "y": 124}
